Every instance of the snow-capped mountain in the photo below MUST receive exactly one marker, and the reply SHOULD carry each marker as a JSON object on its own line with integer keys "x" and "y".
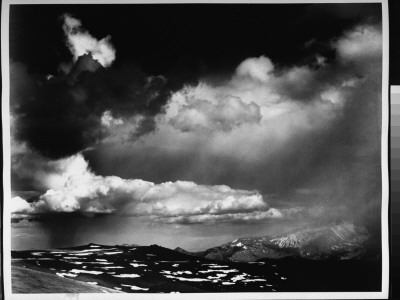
{"x": 336, "y": 259}
{"x": 341, "y": 241}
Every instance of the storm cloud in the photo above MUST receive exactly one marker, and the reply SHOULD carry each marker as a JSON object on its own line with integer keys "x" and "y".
{"x": 60, "y": 115}
{"x": 318, "y": 130}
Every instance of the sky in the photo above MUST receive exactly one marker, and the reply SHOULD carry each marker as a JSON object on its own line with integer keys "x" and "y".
{"x": 192, "y": 125}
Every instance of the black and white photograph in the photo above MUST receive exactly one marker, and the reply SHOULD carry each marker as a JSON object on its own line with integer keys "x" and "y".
{"x": 228, "y": 149}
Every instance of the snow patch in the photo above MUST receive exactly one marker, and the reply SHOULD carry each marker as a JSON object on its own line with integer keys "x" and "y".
{"x": 135, "y": 288}
{"x": 238, "y": 277}
{"x": 187, "y": 279}
{"x": 138, "y": 265}
{"x": 183, "y": 272}
{"x": 93, "y": 250}
{"x": 127, "y": 275}
{"x": 253, "y": 280}
{"x": 86, "y": 271}
{"x": 66, "y": 274}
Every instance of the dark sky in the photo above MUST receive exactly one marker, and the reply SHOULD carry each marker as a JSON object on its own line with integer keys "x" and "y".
{"x": 204, "y": 38}
{"x": 254, "y": 116}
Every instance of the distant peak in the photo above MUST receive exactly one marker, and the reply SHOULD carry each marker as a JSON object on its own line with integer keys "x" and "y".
{"x": 179, "y": 249}
{"x": 129, "y": 245}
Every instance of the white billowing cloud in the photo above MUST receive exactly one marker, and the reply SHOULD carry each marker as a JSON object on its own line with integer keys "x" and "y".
{"x": 292, "y": 101}
{"x": 42, "y": 173}
{"x": 258, "y": 106}
{"x": 187, "y": 198}
{"x": 80, "y": 42}
{"x": 250, "y": 120}
{"x": 85, "y": 192}
{"x": 257, "y": 68}
{"x": 19, "y": 205}
{"x": 226, "y": 114}
{"x": 362, "y": 43}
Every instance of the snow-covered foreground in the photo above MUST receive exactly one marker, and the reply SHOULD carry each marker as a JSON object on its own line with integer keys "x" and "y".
{"x": 148, "y": 269}
{"x": 155, "y": 269}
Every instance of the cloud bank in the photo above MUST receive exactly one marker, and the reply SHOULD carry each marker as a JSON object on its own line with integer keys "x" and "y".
{"x": 74, "y": 188}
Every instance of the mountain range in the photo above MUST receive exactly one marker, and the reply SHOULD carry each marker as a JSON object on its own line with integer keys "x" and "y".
{"x": 339, "y": 241}
{"x": 338, "y": 257}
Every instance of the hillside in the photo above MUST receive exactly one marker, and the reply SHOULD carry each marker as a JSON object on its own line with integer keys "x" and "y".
{"x": 25, "y": 280}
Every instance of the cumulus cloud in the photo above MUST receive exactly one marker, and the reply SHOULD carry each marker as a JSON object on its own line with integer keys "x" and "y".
{"x": 20, "y": 206}
{"x": 226, "y": 114}
{"x": 84, "y": 192}
{"x": 362, "y": 43}
{"x": 257, "y": 68}
{"x": 32, "y": 171}
{"x": 80, "y": 42}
